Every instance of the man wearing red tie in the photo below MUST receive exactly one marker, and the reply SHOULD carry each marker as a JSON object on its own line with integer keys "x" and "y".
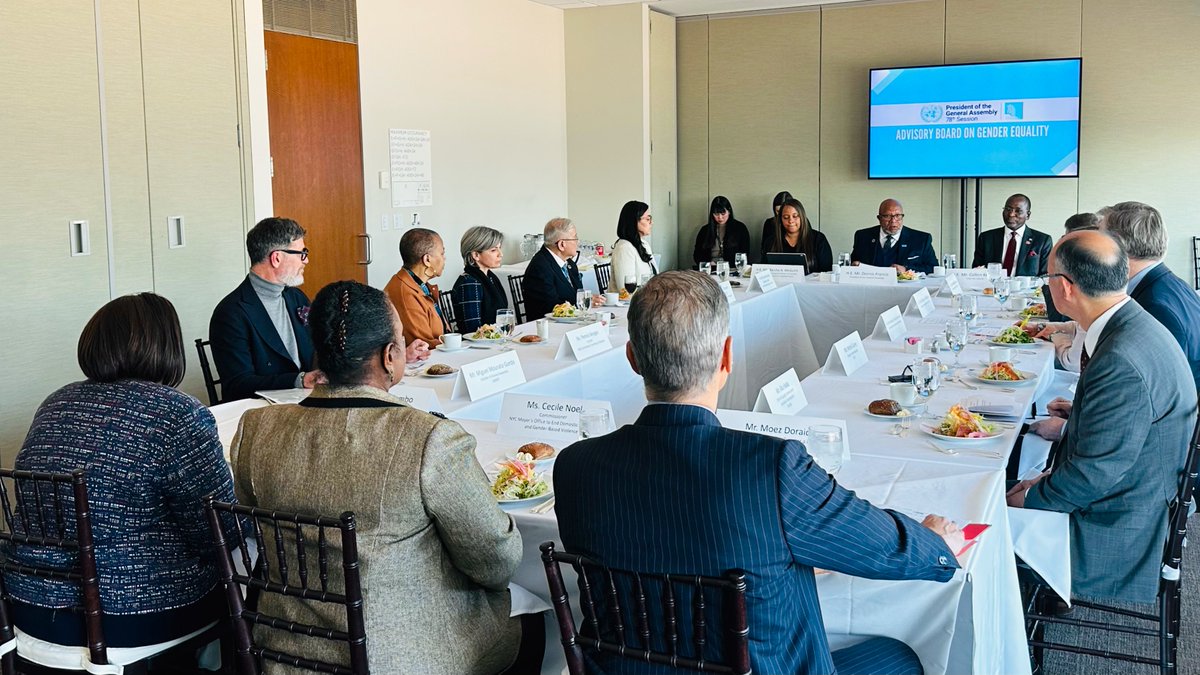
{"x": 1022, "y": 250}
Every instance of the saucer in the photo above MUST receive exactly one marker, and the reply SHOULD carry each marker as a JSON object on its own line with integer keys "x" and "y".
{"x": 444, "y": 348}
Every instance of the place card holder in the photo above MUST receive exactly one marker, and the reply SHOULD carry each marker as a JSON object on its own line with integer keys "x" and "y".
{"x": 921, "y": 303}
{"x": 890, "y": 327}
{"x": 846, "y": 356}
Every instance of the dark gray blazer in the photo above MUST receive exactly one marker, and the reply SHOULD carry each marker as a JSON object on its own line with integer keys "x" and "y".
{"x": 1131, "y": 421}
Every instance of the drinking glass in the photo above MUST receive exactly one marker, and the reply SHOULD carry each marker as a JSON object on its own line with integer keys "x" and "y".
{"x": 825, "y": 446}
{"x": 722, "y": 271}
{"x": 583, "y": 300}
{"x": 927, "y": 374}
{"x": 844, "y": 259}
{"x": 995, "y": 271}
{"x": 706, "y": 268}
{"x": 968, "y": 307}
{"x": 644, "y": 279}
{"x": 631, "y": 282}
{"x": 505, "y": 322}
{"x": 1002, "y": 289}
{"x": 956, "y": 335}
{"x": 950, "y": 261}
{"x": 740, "y": 261}
{"x": 593, "y": 423}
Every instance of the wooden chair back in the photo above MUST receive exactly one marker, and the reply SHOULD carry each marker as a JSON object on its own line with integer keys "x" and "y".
{"x": 618, "y": 616}
{"x": 603, "y": 274}
{"x": 210, "y": 383}
{"x": 309, "y": 537}
{"x": 518, "y": 298}
{"x": 446, "y": 304}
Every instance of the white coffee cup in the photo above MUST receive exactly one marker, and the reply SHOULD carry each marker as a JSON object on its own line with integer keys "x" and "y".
{"x": 452, "y": 341}
{"x": 612, "y": 299}
{"x": 998, "y": 354}
{"x": 939, "y": 271}
{"x": 904, "y": 393}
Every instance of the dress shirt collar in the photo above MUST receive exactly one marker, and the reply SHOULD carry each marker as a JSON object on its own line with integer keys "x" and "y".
{"x": 895, "y": 237}
{"x": 1008, "y": 233}
{"x": 1137, "y": 278}
{"x": 562, "y": 262}
{"x": 1097, "y": 327}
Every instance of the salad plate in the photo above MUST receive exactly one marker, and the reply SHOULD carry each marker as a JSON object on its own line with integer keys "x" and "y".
{"x": 518, "y": 485}
{"x": 516, "y": 504}
{"x": 1011, "y": 337}
{"x": 958, "y": 420}
{"x": 486, "y": 333}
{"x": 1026, "y": 377}
{"x": 564, "y": 319}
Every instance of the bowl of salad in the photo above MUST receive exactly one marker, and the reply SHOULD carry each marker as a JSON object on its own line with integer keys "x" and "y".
{"x": 486, "y": 333}
{"x": 1013, "y": 335}
{"x": 518, "y": 485}
{"x": 962, "y": 427}
{"x": 565, "y": 312}
{"x": 1035, "y": 311}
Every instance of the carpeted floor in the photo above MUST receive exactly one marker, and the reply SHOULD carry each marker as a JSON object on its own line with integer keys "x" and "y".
{"x": 1188, "y": 660}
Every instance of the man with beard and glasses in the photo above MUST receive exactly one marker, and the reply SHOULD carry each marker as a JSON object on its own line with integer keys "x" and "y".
{"x": 259, "y": 331}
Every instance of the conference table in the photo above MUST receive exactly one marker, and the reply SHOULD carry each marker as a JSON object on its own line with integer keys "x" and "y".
{"x": 971, "y": 624}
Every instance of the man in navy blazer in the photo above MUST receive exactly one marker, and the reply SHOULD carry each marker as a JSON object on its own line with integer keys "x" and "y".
{"x": 1151, "y": 283}
{"x": 259, "y": 331}
{"x": 893, "y": 245}
{"x": 675, "y": 492}
{"x": 552, "y": 277}
{"x": 1030, "y": 248}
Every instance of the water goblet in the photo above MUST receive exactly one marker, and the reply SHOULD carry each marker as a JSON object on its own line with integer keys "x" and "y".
{"x": 968, "y": 307}
{"x": 505, "y": 322}
{"x": 593, "y": 423}
{"x": 825, "y": 446}
{"x": 956, "y": 336}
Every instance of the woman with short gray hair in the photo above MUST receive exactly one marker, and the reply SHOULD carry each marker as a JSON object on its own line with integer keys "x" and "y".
{"x": 478, "y": 292}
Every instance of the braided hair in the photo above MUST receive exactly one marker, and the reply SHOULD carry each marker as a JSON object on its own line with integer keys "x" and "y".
{"x": 350, "y": 324}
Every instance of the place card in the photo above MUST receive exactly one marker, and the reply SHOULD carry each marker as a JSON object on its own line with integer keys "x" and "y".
{"x": 791, "y": 427}
{"x": 922, "y": 302}
{"x": 583, "y": 343}
{"x": 762, "y": 280}
{"x": 488, "y": 376}
{"x": 543, "y": 417}
{"x": 727, "y": 289}
{"x": 890, "y": 325}
{"x": 866, "y": 274}
{"x": 952, "y": 284}
{"x": 783, "y": 274}
{"x": 421, "y": 398}
{"x": 782, "y": 396}
{"x": 972, "y": 277}
{"x": 846, "y": 355}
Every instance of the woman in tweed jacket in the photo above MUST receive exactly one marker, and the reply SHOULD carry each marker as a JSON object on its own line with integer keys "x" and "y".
{"x": 436, "y": 551}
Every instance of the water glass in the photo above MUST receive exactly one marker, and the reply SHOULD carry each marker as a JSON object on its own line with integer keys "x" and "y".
{"x": 844, "y": 259}
{"x": 593, "y": 423}
{"x": 740, "y": 261}
{"x": 956, "y": 335}
{"x": 505, "y": 322}
{"x": 1002, "y": 289}
{"x": 950, "y": 261}
{"x": 722, "y": 271}
{"x": 825, "y": 446}
{"x": 927, "y": 373}
{"x": 583, "y": 300}
{"x": 706, "y": 268}
{"x": 968, "y": 307}
{"x": 995, "y": 271}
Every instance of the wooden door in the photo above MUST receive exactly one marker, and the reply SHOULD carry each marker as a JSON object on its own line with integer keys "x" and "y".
{"x": 316, "y": 152}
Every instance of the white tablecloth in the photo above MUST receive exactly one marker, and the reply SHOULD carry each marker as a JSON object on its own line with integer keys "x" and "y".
{"x": 973, "y": 623}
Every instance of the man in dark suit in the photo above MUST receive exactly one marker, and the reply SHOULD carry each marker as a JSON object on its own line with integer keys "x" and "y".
{"x": 1129, "y": 425}
{"x": 259, "y": 331}
{"x": 1022, "y": 250}
{"x": 1151, "y": 283}
{"x": 893, "y": 245}
{"x": 677, "y": 493}
{"x": 552, "y": 277}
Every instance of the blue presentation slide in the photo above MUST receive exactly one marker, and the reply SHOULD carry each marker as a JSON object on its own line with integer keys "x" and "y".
{"x": 976, "y": 121}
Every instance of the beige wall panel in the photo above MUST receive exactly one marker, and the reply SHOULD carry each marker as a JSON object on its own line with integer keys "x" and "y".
{"x": 850, "y": 47}
{"x": 664, "y": 146}
{"x": 607, "y": 130}
{"x": 1140, "y": 134}
{"x": 487, "y": 79}
{"x": 1006, "y": 30}
{"x": 50, "y": 174}
{"x": 194, "y": 159}
{"x": 694, "y": 199}
{"x": 764, "y": 119}
{"x": 123, "y": 102}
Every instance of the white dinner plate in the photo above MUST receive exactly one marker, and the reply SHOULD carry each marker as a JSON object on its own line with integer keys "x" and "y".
{"x": 472, "y": 338}
{"x": 907, "y": 281}
{"x": 564, "y": 319}
{"x": 517, "y": 504}
{"x": 914, "y": 410}
{"x": 954, "y": 440}
{"x": 425, "y": 373}
{"x": 444, "y": 348}
{"x": 1029, "y": 375}
{"x": 1016, "y": 345}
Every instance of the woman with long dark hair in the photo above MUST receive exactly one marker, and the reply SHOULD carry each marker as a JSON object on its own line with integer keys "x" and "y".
{"x": 795, "y": 234}
{"x": 723, "y": 236}
{"x": 768, "y": 232}
{"x": 631, "y": 256}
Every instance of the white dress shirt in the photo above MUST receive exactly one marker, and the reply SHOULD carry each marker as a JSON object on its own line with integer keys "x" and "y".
{"x": 1097, "y": 327}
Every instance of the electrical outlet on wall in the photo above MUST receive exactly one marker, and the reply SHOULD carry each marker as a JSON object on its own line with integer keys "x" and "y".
{"x": 386, "y": 223}
{"x": 399, "y": 221}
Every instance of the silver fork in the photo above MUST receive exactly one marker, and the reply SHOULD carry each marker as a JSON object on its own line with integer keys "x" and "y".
{"x": 543, "y": 507}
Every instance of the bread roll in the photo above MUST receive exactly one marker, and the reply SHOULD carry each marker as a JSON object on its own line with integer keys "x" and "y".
{"x": 884, "y": 406}
{"x": 439, "y": 369}
{"x": 530, "y": 338}
{"x": 538, "y": 450}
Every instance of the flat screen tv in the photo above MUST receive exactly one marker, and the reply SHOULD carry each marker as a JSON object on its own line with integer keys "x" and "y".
{"x": 1016, "y": 119}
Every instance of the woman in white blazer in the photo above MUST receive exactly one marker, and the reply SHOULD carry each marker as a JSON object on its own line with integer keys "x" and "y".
{"x": 631, "y": 256}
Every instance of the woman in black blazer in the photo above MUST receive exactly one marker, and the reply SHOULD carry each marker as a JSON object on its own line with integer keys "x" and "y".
{"x": 723, "y": 236}
{"x": 794, "y": 234}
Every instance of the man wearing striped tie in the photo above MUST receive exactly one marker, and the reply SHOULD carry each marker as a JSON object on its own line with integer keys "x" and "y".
{"x": 675, "y": 492}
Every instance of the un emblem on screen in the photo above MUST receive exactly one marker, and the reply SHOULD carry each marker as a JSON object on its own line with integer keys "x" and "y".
{"x": 931, "y": 113}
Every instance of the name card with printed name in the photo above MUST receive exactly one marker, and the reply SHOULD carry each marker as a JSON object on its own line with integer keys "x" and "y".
{"x": 782, "y": 395}
{"x": 763, "y": 281}
{"x": 545, "y": 417}
{"x": 781, "y": 426}
{"x": 421, "y": 398}
{"x": 952, "y": 284}
{"x": 846, "y": 355}
{"x": 488, "y": 376}
{"x": 975, "y": 277}
{"x": 866, "y": 274}
{"x": 727, "y": 289}
{"x": 890, "y": 325}
{"x": 585, "y": 342}
{"x": 783, "y": 274}
{"x": 922, "y": 302}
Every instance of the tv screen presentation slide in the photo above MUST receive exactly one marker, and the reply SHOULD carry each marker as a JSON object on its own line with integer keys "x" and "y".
{"x": 1015, "y": 119}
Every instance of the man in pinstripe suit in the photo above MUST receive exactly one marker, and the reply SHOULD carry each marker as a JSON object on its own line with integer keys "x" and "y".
{"x": 675, "y": 492}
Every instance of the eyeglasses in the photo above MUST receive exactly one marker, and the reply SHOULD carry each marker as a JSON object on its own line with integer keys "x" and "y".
{"x": 890, "y": 216}
{"x": 1066, "y": 278}
{"x": 1013, "y": 209}
{"x": 303, "y": 254}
